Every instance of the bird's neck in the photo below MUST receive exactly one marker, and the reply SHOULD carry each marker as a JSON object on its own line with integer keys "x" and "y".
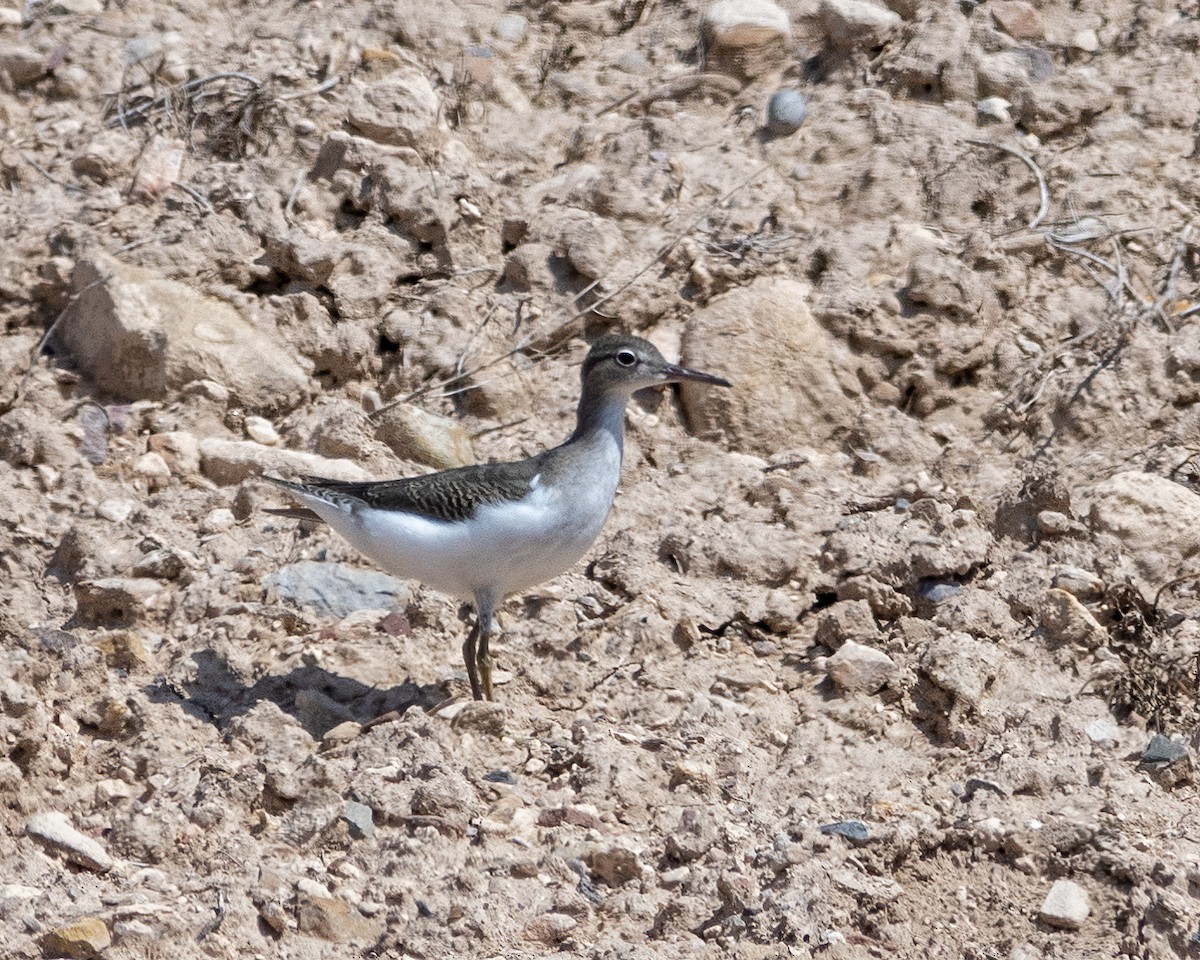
{"x": 600, "y": 420}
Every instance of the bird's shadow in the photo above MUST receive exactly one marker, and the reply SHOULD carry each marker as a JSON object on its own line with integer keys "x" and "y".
{"x": 318, "y": 699}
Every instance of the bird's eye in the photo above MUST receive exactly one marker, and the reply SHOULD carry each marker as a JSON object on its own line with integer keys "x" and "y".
{"x": 626, "y": 358}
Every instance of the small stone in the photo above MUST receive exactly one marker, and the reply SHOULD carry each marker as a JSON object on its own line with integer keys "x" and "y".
{"x": 1068, "y": 622}
{"x": 1052, "y": 523}
{"x": 1086, "y": 41}
{"x": 115, "y": 511}
{"x": 423, "y": 437}
{"x": 261, "y": 430}
{"x": 218, "y": 521}
{"x": 744, "y": 38}
{"x": 1078, "y": 582}
{"x": 857, "y": 24}
{"x": 335, "y": 589}
{"x": 994, "y": 108}
{"x": 344, "y": 732}
{"x": 977, "y": 784}
{"x": 1103, "y": 731}
{"x": 361, "y": 819}
{"x": 117, "y": 601}
{"x": 860, "y": 669}
{"x": 673, "y": 878}
{"x": 82, "y": 939}
{"x": 1162, "y": 751}
{"x": 578, "y": 814}
{"x": 1018, "y": 19}
{"x": 232, "y": 461}
{"x": 511, "y": 27}
{"x": 854, "y": 830}
{"x": 333, "y": 920}
{"x": 54, "y": 830}
{"x": 1066, "y": 906}
{"x": 179, "y": 449}
{"x": 160, "y": 565}
{"x": 549, "y": 928}
{"x": 24, "y": 64}
{"x": 112, "y": 790}
{"x": 786, "y": 111}
{"x": 122, "y": 650}
{"x": 153, "y": 469}
{"x": 613, "y": 865}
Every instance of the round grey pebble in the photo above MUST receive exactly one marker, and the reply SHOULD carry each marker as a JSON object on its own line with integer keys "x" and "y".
{"x": 786, "y": 111}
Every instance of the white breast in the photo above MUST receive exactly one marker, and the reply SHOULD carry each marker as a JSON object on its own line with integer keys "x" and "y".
{"x": 505, "y": 547}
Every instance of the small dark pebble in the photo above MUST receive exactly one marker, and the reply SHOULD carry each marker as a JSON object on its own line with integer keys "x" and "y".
{"x": 786, "y": 112}
{"x": 854, "y": 830}
{"x": 763, "y": 648}
{"x": 499, "y": 776}
{"x": 937, "y": 591}
{"x": 1162, "y": 751}
{"x": 901, "y": 505}
{"x": 423, "y": 909}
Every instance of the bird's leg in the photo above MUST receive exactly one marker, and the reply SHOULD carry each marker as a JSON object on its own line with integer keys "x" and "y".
{"x": 469, "y": 659}
{"x": 484, "y": 606}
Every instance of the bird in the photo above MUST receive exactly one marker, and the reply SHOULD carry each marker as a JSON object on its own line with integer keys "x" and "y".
{"x": 484, "y": 532}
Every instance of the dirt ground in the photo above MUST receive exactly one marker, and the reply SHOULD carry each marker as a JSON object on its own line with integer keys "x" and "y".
{"x": 892, "y": 650}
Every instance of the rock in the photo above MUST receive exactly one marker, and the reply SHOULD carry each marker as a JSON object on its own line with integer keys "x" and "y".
{"x": 1067, "y": 621}
{"x": 1155, "y": 520}
{"x": 549, "y": 928}
{"x": 160, "y": 565}
{"x": 962, "y": 666}
{"x": 994, "y": 108}
{"x": 592, "y": 245}
{"x": 399, "y": 109}
{"x": 1066, "y": 906}
{"x": 860, "y": 669}
{"x": 613, "y": 865}
{"x": 122, "y": 650}
{"x": 153, "y": 469}
{"x": 335, "y": 589}
{"x": 857, "y": 24}
{"x": 853, "y": 830}
{"x": 138, "y": 334}
{"x": 423, "y": 437}
{"x": 115, "y": 511}
{"x": 179, "y": 450}
{"x": 1078, "y": 582}
{"x": 360, "y": 818}
{"x": 786, "y": 388}
{"x": 1085, "y": 41}
{"x": 232, "y": 461}
{"x": 54, "y": 830}
{"x": 82, "y": 939}
{"x": 261, "y": 430}
{"x": 1103, "y": 732}
{"x": 24, "y": 64}
{"x": 1162, "y": 752}
{"x": 577, "y": 814}
{"x": 113, "y": 601}
{"x": 786, "y": 111}
{"x": 847, "y": 620}
{"x": 219, "y": 520}
{"x": 334, "y": 920}
{"x": 744, "y": 38}
{"x": 1018, "y": 19}
{"x": 511, "y": 27}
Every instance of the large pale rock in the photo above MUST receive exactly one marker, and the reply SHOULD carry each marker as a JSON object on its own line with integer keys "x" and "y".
{"x": 400, "y": 109}
{"x": 232, "y": 461}
{"x": 745, "y": 38}
{"x": 857, "y": 24}
{"x": 82, "y": 939}
{"x": 1156, "y": 521}
{"x": 786, "y": 392}
{"x": 1066, "y": 906}
{"x": 857, "y": 668}
{"x": 54, "y": 830}
{"x": 140, "y": 335}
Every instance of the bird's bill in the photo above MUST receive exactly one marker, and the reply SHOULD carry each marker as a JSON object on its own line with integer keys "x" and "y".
{"x": 674, "y": 373}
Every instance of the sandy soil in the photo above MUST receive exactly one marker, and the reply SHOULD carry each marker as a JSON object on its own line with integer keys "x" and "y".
{"x": 890, "y": 651}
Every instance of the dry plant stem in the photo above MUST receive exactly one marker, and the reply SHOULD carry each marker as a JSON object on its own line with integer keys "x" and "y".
{"x": 195, "y": 195}
{"x": 1043, "y": 190}
{"x": 525, "y": 342}
{"x": 46, "y": 173}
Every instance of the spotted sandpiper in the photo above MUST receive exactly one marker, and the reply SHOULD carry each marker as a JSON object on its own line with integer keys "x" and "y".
{"x": 483, "y": 532}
